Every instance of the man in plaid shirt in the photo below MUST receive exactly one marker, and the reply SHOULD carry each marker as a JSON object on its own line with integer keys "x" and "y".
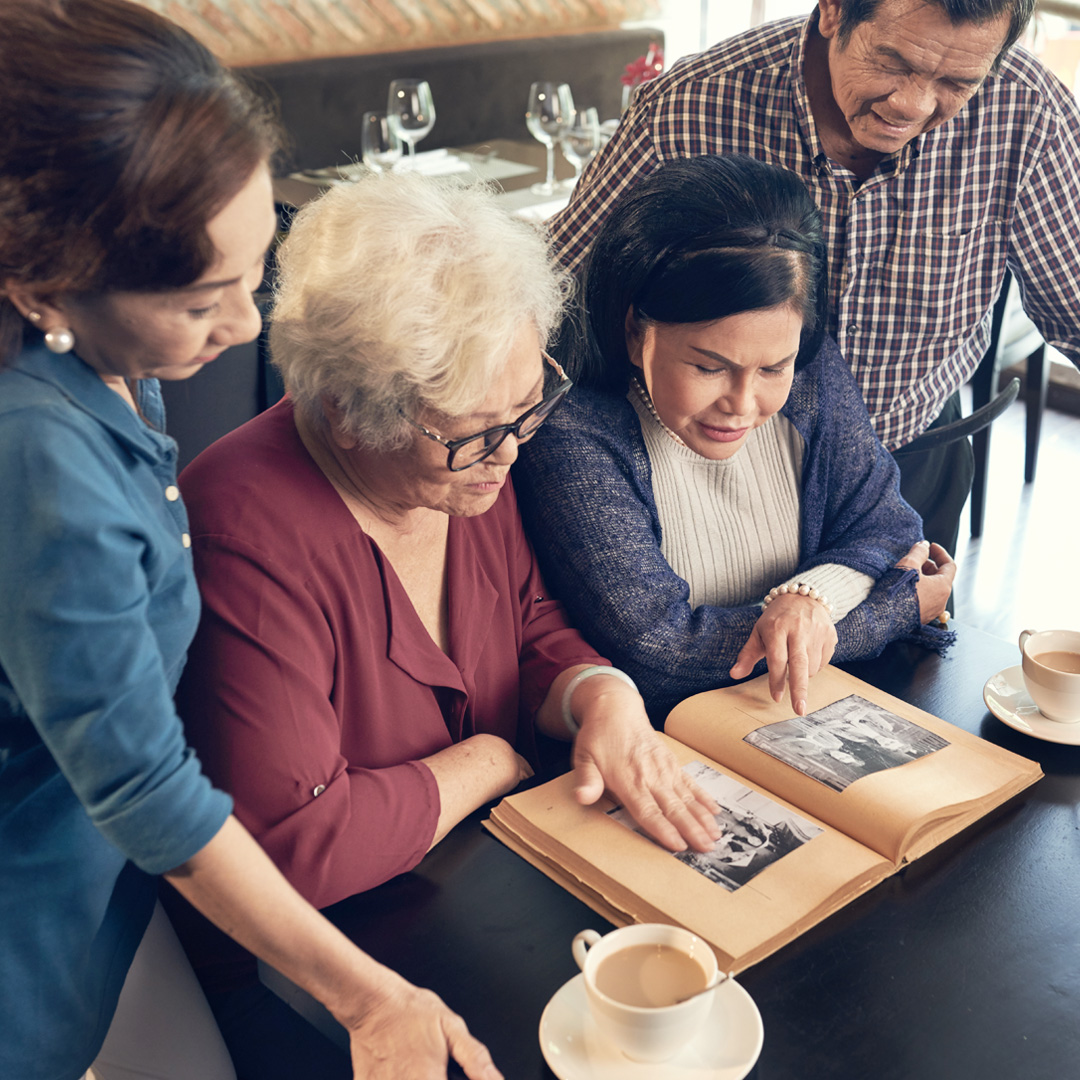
{"x": 938, "y": 154}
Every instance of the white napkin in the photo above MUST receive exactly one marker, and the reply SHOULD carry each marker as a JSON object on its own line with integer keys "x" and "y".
{"x": 432, "y": 163}
{"x": 542, "y": 211}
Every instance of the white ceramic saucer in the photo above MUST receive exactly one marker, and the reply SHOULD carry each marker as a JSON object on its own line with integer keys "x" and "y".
{"x": 1007, "y": 698}
{"x": 726, "y": 1048}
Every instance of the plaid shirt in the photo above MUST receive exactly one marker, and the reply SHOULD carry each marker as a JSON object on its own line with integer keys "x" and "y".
{"x": 916, "y": 253}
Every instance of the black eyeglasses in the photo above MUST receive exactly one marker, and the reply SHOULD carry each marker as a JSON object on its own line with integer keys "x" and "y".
{"x": 464, "y": 453}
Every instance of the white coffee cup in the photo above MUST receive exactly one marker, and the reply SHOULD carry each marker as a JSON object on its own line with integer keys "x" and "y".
{"x": 645, "y": 1033}
{"x": 1052, "y": 686}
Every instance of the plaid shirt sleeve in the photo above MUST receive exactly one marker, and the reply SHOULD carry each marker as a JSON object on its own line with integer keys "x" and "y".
{"x": 1044, "y": 248}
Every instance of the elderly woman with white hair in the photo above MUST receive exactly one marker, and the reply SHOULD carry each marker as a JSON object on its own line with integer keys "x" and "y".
{"x": 377, "y": 647}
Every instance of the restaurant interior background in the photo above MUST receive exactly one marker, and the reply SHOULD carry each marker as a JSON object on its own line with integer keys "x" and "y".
{"x": 1013, "y": 575}
{"x": 254, "y": 31}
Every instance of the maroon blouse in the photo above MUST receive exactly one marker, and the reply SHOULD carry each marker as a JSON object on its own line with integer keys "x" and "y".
{"x": 313, "y": 688}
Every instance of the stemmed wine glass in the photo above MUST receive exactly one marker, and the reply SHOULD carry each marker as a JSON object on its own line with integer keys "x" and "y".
{"x": 410, "y": 111}
{"x": 380, "y": 146}
{"x": 550, "y": 108}
{"x": 580, "y": 141}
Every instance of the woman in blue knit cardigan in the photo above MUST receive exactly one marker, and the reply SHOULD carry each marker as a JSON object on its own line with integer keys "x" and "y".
{"x": 712, "y": 496}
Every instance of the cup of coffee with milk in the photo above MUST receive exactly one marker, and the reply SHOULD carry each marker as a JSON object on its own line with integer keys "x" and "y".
{"x": 640, "y": 982}
{"x": 1051, "y": 666}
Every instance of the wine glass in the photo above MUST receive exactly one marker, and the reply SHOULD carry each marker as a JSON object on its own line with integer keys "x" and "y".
{"x": 379, "y": 143}
{"x": 580, "y": 141}
{"x": 410, "y": 111}
{"x": 550, "y": 107}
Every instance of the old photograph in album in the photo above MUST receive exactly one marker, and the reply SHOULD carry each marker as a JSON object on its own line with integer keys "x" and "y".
{"x": 814, "y": 811}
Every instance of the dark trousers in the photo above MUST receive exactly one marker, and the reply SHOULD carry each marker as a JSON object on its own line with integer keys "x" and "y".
{"x": 937, "y": 482}
{"x": 270, "y": 1041}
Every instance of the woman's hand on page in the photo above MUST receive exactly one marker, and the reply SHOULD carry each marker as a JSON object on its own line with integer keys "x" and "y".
{"x": 796, "y": 638}
{"x": 937, "y": 572}
{"x": 618, "y": 750}
{"x": 406, "y": 1033}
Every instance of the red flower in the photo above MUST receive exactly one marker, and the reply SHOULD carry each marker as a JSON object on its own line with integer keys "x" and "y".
{"x": 644, "y": 67}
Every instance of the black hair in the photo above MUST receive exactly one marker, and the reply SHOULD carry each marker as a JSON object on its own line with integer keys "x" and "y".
{"x": 700, "y": 239}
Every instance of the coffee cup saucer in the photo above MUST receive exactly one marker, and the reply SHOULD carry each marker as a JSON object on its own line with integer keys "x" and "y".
{"x": 1007, "y": 698}
{"x": 726, "y": 1047}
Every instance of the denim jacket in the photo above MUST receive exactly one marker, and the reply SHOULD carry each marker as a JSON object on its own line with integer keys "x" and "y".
{"x": 98, "y": 788}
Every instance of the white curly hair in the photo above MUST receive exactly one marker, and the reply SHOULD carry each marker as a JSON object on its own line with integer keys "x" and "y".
{"x": 400, "y": 293}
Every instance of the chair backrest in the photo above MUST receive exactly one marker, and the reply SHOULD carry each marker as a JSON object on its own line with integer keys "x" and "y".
{"x": 968, "y": 425}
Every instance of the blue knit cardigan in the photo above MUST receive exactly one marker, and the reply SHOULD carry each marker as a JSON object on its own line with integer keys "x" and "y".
{"x": 585, "y": 487}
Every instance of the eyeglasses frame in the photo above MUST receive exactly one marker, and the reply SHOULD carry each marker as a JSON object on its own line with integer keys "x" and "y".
{"x": 454, "y": 445}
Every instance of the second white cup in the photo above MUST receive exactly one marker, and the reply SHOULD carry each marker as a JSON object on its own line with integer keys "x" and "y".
{"x": 647, "y": 962}
{"x": 1051, "y": 666}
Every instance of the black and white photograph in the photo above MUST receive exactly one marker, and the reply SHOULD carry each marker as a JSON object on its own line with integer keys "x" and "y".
{"x": 756, "y": 830}
{"x": 845, "y": 741}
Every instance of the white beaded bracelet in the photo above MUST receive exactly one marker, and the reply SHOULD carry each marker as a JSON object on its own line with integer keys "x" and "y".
{"x": 800, "y": 589}
{"x": 597, "y": 669}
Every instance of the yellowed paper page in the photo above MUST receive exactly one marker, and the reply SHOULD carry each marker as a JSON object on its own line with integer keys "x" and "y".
{"x": 632, "y": 874}
{"x": 900, "y": 812}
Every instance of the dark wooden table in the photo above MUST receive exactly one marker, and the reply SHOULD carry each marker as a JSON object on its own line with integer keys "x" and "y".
{"x": 964, "y": 966}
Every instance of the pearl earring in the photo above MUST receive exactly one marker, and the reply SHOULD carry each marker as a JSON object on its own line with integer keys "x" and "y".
{"x": 59, "y": 341}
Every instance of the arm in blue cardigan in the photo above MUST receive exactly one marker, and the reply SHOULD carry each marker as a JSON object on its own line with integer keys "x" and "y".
{"x": 849, "y": 501}
{"x": 852, "y": 510}
{"x": 584, "y": 485}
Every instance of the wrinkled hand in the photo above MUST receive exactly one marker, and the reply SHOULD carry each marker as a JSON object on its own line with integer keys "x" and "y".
{"x": 937, "y": 572}
{"x": 409, "y": 1034}
{"x": 796, "y": 638}
{"x": 617, "y": 750}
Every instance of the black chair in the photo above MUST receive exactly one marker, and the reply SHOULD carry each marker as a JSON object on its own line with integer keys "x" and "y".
{"x": 1013, "y": 337}
{"x": 978, "y": 422}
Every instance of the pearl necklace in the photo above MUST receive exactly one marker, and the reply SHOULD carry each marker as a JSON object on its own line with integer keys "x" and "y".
{"x": 646, "y": 400}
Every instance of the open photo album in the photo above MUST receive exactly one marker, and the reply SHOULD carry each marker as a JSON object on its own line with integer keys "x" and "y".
{"x": 815, "y": 811}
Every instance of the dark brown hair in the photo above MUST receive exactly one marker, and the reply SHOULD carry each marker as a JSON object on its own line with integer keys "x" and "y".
{"x": 120, "y": 138}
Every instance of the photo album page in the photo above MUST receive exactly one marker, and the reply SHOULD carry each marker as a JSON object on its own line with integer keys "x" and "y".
{"x": 814, "y": 811}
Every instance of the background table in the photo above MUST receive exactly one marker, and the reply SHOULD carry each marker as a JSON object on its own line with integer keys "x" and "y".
{"x": 296, "y": 189}
{"x": 966, "y": 964}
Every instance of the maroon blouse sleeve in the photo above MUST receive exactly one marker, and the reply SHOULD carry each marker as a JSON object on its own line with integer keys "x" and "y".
{"x": 256, "y": 698}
